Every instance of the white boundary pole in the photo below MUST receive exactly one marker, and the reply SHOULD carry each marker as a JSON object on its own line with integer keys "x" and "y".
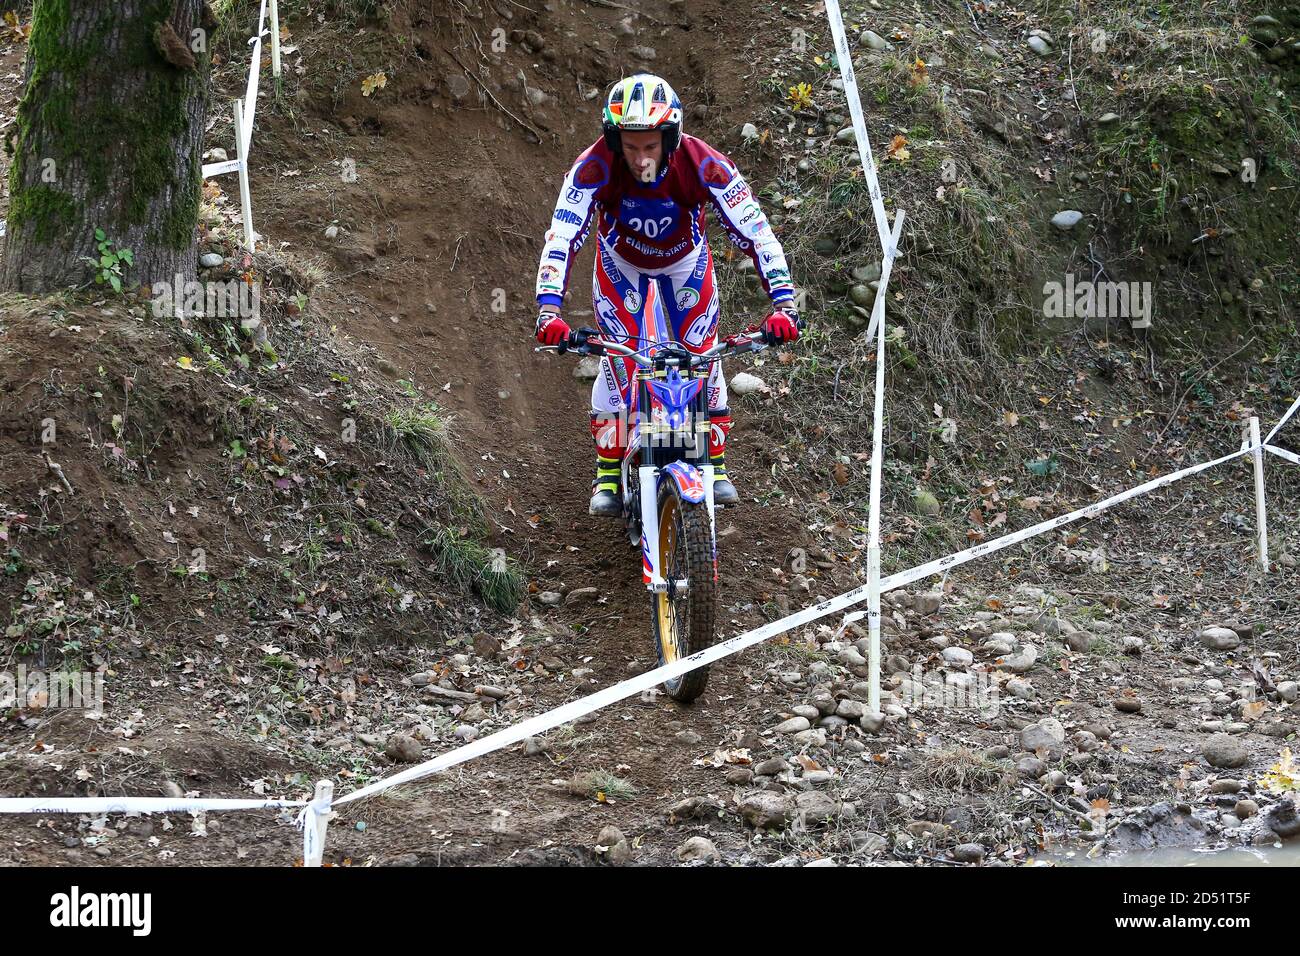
{"x": 314, "y": 826}
{"x": 245, "y": 193}
{"x": 1261, "y": 505}
{"x": 889, "y": 251}
{"x": 275, "y": 38}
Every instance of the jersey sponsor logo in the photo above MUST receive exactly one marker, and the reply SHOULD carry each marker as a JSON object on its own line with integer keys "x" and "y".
{"x": 632, "y": 301}
{"x": 775, "y": 275}
{"x": 610, "y": 323}
{"x": 716, "y": 174}
{"x": 557, "y": 254}
{"x": 574, "y": 195}
{"x": 701, "y": 265}
{"x": 549, "y": 277}
{"x": 564, "y": 215}
{"x": 737, "y": 194}
{"x": 644, "y": 249}
{"x": 591, "y": 172}
{"x": 750, "y": 213}
{"x": 687, "y": 299}
{"x": 703, "y": 326}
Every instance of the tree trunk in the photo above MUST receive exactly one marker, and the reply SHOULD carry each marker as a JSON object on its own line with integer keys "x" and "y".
{"x": 108, "y": 137}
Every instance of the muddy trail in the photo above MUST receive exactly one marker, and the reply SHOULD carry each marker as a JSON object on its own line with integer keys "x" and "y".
{"x": 418, "y": 209}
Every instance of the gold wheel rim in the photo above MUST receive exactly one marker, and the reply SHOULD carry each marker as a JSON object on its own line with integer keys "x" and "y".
{"x": 664, "y": 605}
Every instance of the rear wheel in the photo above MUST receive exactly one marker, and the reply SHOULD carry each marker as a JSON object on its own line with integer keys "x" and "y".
{"x": 684, "y": 618}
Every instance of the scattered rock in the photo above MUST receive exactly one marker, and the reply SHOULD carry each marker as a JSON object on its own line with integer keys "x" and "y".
{"x": 764, "y": 809}
{"x": 1220, "y": 639}
{"x": 486, "y": 646}
{"x": 551, "y": 598}
{"x": 534, "y": 746}
{"x": 957, "y": 657}
{"x": 1019, "y": 663}
{"x": 739, "y": 776}
{"x": 968, "y": 853}
{"x": 1128, "y": 703}
{"x": 816, "y": 808}
{"x": 926, "y": 503}
{"x": 211, "y": 260}
{"x": 874, "y": 41}
{"x": 695, "y": 808}
{"x": 1039, "y": 45}
{"x": 587, "y": 368}
{"x": 1108, "y": 119}
{"x": 1245, "y": 809}
{"x": 1067, "y": 219}
{"x": 792, "y": 726}
{"x": 749, "y": 132}
{"x": 872, "y": 722}
{"x": 1288, "y": 690}
{"x": 743, "y": 383}
{"x": 1225, "y": 752}
{"x": 611, "y": 844}
{"x": 771, "y": 767}
{"x": 1283, "y": 819}
{"x": 687, "y": 737}
{"x": 1079, "y": 641}
{"x": 1048, "y": 734}
{"x": 1226, "y": 785}
{"x": 863, "y": 841}
{"x": 927, "y": 603}
{"x": 403, "y": 749}
{"x": 697, "y": 849}
{"x": 1031, "y": 767}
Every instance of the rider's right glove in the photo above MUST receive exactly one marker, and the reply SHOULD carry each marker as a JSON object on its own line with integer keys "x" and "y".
{"x": 781, "y": 326}
{"x": 551, "y": 329}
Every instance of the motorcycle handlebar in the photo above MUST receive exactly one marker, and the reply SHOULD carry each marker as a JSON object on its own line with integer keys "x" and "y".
{"x": 587, "y": 341}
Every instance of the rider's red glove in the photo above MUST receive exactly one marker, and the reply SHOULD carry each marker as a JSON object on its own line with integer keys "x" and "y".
{"x": 781, "y": 326}
{"x": 551, "y": 329}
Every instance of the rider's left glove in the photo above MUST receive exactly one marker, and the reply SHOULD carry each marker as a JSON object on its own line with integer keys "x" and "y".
{"x": 781, "y": 326}
{"x": 551, "y": 329}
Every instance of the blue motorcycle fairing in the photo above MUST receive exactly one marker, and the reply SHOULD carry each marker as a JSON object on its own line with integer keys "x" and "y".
{"x": 676, "y": 394}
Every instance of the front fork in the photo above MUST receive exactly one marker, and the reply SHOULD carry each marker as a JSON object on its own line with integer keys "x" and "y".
{"x": 652, "y": 574}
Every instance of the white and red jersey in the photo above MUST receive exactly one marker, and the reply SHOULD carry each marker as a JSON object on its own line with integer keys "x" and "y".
{"x": 657, "y": 224}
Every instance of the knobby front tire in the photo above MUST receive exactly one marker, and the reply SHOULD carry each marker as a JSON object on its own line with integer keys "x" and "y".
{"x": 684, "y": 624}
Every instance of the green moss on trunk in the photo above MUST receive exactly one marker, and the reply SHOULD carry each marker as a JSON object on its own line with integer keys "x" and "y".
{"x": 115, "y": 115}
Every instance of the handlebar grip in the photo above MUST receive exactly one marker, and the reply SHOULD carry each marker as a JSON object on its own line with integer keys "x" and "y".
{"x": 581, "y": 340}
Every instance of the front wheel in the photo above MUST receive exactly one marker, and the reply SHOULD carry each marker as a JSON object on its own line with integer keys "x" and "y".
{"x": 684, "y": 617}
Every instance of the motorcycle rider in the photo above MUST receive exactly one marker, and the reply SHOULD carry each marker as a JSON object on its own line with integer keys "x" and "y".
{"x": 645, "y": 185}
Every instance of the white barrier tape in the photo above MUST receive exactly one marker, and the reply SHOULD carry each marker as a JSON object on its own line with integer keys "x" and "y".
{"x": 254, "y": 74}
{"x": 1295, "y": 406}
{"x": 844, "y": 54}
{"x": 134, "y": 805}
{"x": 1091, "y": 511}
{"x": 1283, "y": 453}
{"x": 220, "y": 169}
{"x": 652, "y": 678}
